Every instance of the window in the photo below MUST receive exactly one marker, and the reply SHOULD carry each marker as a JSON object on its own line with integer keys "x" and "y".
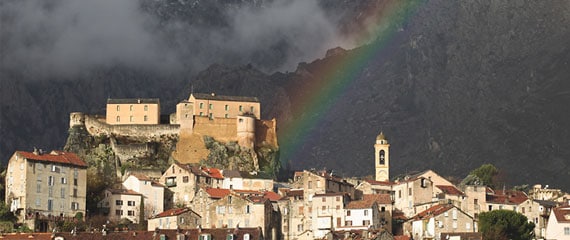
{"x": 399, "y": 193}
{"x": 409, "y": 191}
{"x": 226, "y": 115}
{"x": 118, "y": 118}
{"x": 310, "y": 185}
{"x": 365, "y": 214}
{"x": 146, "y": 107}
{"x": 490, "y": 207}
{"x": 118, "y": 212}
{"x": 227, "y": 107}
{"x": 185, "y": 179}
{"x": 74, "y": 206}
{"x": 50, "y": 181}
{"x": 366, "y": 223}
{"x": 240, "y": 108}
{"x": 467, "y": 226}
{"x": 145, "y": 118}
{"x": 118, "y": 108}
{"x": 230, "y": 210}
{"x": 39, "y": 187}
{"x": 131, "y": 107}
{"x": 63, "y": 180}
{"x": 75, "y": 192}
{"x": 383, "y": 209}
{"x": 119, "y": 202}
{"x": 324, "y": 199}
{"x": 382, "y": 156}
{"x": 50, "y": 205}
{"x": 201, "y": 106}
{"x": 337, "y": 199}
{"x": 131, "y": 213}
{"x": 201, "y": 114}
{"x": 299, "y": 227}
{"x": 348, "y": 223}
{"x": 566, "y": 230}
{"x": 130, "y": 203}
{"x": 75, "y": 182}
{"x": 318, "y": 183}
{"x": 211, "y": 106}
{"x": 324, "y": 208}
{"x": 131, "y": 118}
{"x": 247, "y": 209}
{"x": 251, "y": 109}
{"x": 211, "y": 116}
{"x": 475, "y": 201}
{"x": 347, "y": 212}
{"x": 62, "y": 192}
{"x": 220, "y": 209}
{"x": 454, "y": 224}
{"x": 454, "y": 213}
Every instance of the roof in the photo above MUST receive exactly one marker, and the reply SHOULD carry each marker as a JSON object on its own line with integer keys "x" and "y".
{"x": 330, "y": 194}
{"x": 379, "y": 198}
{"x": 217, "y": 192}
{"x": 231, "y": 174}
{"x": 123, "y": 191}
{"x": 381, "y": 136}
{"x": 218, "y": 233}
{"x": 368, "y": 200}
{"x": 383, "y": 183}
{"x": 60, "y": 157}
{"x": 463, "y": 235}
{"x": 450, "y": 190}
{"x": 272, "y": 196}
{"x": 133, "y": 101}
{"x": 433, "y": 211}
{"x": 140, "y": 177}
{"x": 506, "y": 197}
{"x": 562, "y": 214}
{"x": 212, "y": 96}
{"x": 173, "y": 212}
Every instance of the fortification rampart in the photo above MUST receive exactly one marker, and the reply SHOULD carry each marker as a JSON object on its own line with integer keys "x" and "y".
{"x": 131, "y": 151}
{"x": 97, "y": 127}
{"x": 266, "y": 133}
{"x": 222, "y": 129}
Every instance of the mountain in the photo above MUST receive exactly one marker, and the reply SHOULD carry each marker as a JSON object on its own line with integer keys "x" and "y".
{"x": 455, "y": 85}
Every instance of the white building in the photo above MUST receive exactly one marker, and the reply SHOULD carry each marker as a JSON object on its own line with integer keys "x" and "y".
{"x": 121, "y": 203}
{"x": 153, "y": 193}
{"x": 559, "y": 224}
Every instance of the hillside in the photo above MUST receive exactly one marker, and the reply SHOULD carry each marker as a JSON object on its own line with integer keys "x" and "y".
{"x": 460, "y": 83}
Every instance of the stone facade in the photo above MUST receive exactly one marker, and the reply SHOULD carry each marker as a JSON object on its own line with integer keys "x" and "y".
{"x": 176, "y": 218}
{"x": 42, "y": 186}
{"x": 183, "y": 181}
{"x": 438, "y": 219}
{"x": 216, "y": 106}
{"x": 120, "y": 204}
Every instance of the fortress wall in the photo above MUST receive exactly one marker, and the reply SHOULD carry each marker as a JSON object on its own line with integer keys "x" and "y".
{"x": 221, "y": 129}
{"x": 128, "y": 151}
{"x": 266, "y": 132}
{"x": 97, "y": 127}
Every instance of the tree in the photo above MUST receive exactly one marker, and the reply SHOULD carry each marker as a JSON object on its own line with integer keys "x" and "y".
{"x": 504, "y": 225}
{"x": 484, "y": 175}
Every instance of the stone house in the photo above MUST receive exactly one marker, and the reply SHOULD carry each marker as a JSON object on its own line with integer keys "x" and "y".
{"x": 221, "y": 208}
{"x": 441, "y": 218}
{"x": 183, "y": 181}
{"x": 327, "y": 212}
{"x": 152, "y": 192}
{"x": 504, "y": 199}
{"x": 313, "y": 182}
{"x": 218, "y": 106}
{"x": 133, "y": 111}
{"x": 537, "y": 211}
{"x": 176, "y": 218}
{"x": 450, "y": 194}
{"x": 475, "y": 201}
{"x": 375, "y": 187}
{"x": 293, "y": 215}
{"x": 435, "y": 178}
{"x": 413, "y": 195}
{"x": 118, "y": 204}
{"x": 372, "y": 212}
{"x": 559, "y": 224}
{"x": 44, "y": 187}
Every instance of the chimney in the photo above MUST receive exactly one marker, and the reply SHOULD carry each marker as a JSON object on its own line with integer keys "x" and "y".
{"x": 36, "y": 151}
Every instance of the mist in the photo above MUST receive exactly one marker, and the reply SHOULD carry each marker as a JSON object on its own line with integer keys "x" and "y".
{"x": 64, "y": 38}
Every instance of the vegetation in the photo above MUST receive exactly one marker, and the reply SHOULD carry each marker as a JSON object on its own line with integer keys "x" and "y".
{"x": 484, "y": 175}
{"x": 504, "y": 225}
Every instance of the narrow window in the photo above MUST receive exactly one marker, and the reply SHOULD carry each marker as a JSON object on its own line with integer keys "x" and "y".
{"x": 145, "y": 118}
{"x": 251, "y": 108}
{"x": 146, "y": 107}
{"x": 131, "y": 108}
{"x": 240, "y": 108}
{"x": 132, "y": 118}
{"x": 118, "y": 108}
{"x": 201, "y": 105}
{"x": 211, "y": 106}
{"x": 118, "y": 118}
{"x": 382, "y": 157}
{"x": 227, "y": 107}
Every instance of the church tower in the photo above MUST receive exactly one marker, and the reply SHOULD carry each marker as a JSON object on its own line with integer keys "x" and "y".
{"x": 382, "y": 161}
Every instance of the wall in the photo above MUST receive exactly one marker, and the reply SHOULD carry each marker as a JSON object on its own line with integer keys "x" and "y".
{"x": 133, "y": 113}
{"x": 266, "y": 132}
{"x": 129, "y": 151}
{"x": 97, "y": 127}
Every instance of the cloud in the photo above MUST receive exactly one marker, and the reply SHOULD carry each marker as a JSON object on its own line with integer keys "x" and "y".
{"x": 63, "y": 38}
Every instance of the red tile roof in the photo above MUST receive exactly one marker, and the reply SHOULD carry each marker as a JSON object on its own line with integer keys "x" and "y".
{"x": 401, "y": 237}
{"x": 382, "y": 183}
{"x": 214, "y": 172}
{"x": 433, "y": 211}
{"x": 450, "y": 190}
{"x": 272, "y": 196}
{"x": 172, "y": 212}
{"x": 141, "y": 177}
{"x": 368, "y": 200}
{"x": 507, "y": 197}
{"x": 55, "y": 157}
{"x": 562, "y": 214}
{"x": 379, "y": 198}
{"x": 217, "y": 192}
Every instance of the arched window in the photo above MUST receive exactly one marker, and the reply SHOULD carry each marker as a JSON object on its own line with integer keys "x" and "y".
{"x": 382, "y": 157}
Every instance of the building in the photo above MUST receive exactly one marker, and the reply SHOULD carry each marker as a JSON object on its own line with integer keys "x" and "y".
{"x": 382, "y": 158}
{"x": 327, "y": 213}
{"x": 234, "y": 179}
{"x": 504, "y": 199}
{"x": 176, "y": 218}
{"x": 152, "y": 192}
{"x": 559, "y": 224}
{"x": 133, "y": 111}
{"x": 44, "y": 187}
{"x": 413, "y": 195}
{"x": 537, "y": 211}
{"x": 475, "y": 201}
{"x": 441, "y": 218}
{"x": 293, "y": 215}
{"x": 183, "y": 181}
{"x": 218, "y": 106}
{"x": 119, "y": 204}
{"x": 372, "y": 212}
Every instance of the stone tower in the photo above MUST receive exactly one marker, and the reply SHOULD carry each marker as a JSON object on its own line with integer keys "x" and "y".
{"x": 76, "y": 119}
{"x": 246, "y": 130}
{"x": 184, "y": 116}
{"x": 382, "y": 159}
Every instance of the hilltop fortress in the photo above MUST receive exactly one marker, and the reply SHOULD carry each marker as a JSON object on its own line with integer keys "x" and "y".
{"x": 223, "y": 118}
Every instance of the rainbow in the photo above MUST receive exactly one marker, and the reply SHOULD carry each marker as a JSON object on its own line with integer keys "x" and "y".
{"x": 331, "y": 77}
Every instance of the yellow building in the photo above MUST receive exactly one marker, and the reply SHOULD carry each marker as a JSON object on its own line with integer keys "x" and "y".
{"x": 133, "y": 111}
{"x": 215, "y": 106}
{"x": 42, "y": 186}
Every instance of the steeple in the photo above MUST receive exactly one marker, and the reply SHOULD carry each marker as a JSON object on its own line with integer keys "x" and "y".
{"x": 382, "y": 158}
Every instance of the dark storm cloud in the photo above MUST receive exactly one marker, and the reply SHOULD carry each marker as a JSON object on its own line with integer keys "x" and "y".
{"x": 66, "y": 37}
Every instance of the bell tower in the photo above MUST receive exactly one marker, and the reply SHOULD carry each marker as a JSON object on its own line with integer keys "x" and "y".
{"x": 382, "y": 159}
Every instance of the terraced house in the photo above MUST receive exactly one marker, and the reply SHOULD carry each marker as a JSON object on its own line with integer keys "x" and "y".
{"x": 42, "y": 188}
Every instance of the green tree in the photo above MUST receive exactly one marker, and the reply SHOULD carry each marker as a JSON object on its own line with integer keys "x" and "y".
{"x": 504, "y": 225}
{"x": 484, "y": 175}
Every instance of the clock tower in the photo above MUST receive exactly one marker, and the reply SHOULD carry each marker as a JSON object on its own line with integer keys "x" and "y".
{"x": 382, "y": 159}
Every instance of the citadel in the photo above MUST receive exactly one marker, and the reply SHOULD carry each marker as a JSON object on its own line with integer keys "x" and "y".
{"x": 191, "y": 199}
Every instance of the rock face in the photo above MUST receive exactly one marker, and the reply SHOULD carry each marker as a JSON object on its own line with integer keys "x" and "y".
{"x": 459, "y": 84}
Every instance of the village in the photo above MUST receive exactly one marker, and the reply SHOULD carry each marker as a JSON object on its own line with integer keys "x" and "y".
{"x": 193, "y": 201}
